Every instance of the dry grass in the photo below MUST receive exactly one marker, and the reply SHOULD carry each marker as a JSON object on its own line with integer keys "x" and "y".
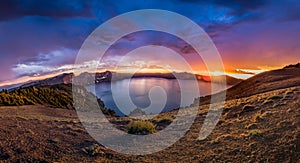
{"x": 140, "y": 127}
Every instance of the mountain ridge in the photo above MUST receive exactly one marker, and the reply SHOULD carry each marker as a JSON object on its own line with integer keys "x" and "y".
{"x": 108, "y": 76}
{"x": 286, "y": 77}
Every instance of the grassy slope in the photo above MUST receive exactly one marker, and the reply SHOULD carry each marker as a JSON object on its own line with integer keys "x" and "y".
{"x": 55, "y": 96}
{"x": 263, "y": 82}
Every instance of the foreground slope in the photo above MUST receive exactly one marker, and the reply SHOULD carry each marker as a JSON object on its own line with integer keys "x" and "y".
{"x": 263, "y": 127}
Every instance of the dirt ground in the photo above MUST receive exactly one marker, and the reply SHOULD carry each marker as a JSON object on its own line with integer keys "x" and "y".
{"x": 260, "y": 128}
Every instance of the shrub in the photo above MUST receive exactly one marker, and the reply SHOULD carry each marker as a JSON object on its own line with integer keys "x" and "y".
{"x": 225, "y": 137}
{"x": 248, "y": 108}
{"x": 274, "y": 97}
{"x": 165, "y": 120}
{"x": 29, "y": 131}
{"x": 93, "y": 150}
{"x": 255, "y": 133}
{"x": 288, "y": 92}
{"x": 267, "y": 101}
{"x": 257, "y": 117}
{"x": 251, "y": 126}
{"x": 140, "y": 127}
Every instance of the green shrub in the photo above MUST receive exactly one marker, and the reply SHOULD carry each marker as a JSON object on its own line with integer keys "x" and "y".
{"x": 140, "y": 127}
{"x": 166, "y": 120}
{"x": 257, "y": 117}
{"x": 255, "y": 133}
{"x": 274, "y": 97}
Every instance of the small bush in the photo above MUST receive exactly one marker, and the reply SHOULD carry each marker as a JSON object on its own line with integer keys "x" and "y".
{"x": 248, "y": 108}
{"x": 215, "y": 141}
{"x": 29, "y": 131}
{"x": 93, "y": 150}
{"x": 166, "y": 120}
{"x": 288, "y": 92}
{"x": 274, "y": 97}
{"x": 251, "y": 126}
{"x": 257, "y": 117}
{"x": 254, "y": 133}
{"x": 140, "y": 127}
{"x": 221, "y": 138}
{"x": 267, "y": 101}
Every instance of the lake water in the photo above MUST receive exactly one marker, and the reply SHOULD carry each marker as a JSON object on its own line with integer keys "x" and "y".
{"x": 165, "y": 94}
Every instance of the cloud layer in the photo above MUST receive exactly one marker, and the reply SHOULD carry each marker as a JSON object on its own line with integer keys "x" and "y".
{"x": 44, "y": 36}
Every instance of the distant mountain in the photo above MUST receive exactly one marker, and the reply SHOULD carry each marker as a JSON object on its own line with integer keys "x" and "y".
{"x": 189, "y": 76}
{"x": 107, "y": 76}
{"x": 219, "y": 79}
{"x": 65, "y": 78}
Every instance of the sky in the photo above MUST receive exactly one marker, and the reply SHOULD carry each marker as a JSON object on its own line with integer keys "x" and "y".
{"x": 43, "y": 37}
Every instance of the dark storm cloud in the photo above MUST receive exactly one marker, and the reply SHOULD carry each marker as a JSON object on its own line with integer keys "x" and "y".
{"x": 22, "y": 40}
{"x": 32, "y": 28}
{"x": 237, "y": 7}
{"x": 213, "y": 16}
{"x": 32, "y": 32}
{"x": 241, "y": 6}
{"x": 288, "y": 10}
{"x": 138, "y": 39}
{"x": 54, "y": 8}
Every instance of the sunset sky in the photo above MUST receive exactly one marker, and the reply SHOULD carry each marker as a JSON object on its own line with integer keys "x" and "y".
{"x": 43, "y": 37}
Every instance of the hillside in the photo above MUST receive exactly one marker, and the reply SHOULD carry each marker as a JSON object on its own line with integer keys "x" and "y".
{"x": 65, "y": 78}
{"x": 54, "y": 96}
{"x": 263, "y": 82}
{"x": 266, "y": 81}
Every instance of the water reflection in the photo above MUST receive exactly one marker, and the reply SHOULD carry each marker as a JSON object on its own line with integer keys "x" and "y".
{"x": 158, "y": 87}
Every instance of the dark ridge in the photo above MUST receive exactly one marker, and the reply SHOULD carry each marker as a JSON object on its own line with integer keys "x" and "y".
{"x": 293, "y": 66}
{"x": 261, "y": 83}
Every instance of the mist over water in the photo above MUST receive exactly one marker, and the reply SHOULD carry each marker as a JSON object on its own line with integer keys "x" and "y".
{"x": 139, "y": 93}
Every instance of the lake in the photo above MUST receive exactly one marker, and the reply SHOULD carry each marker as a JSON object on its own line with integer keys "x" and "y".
{"x": 152, "y": 95}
